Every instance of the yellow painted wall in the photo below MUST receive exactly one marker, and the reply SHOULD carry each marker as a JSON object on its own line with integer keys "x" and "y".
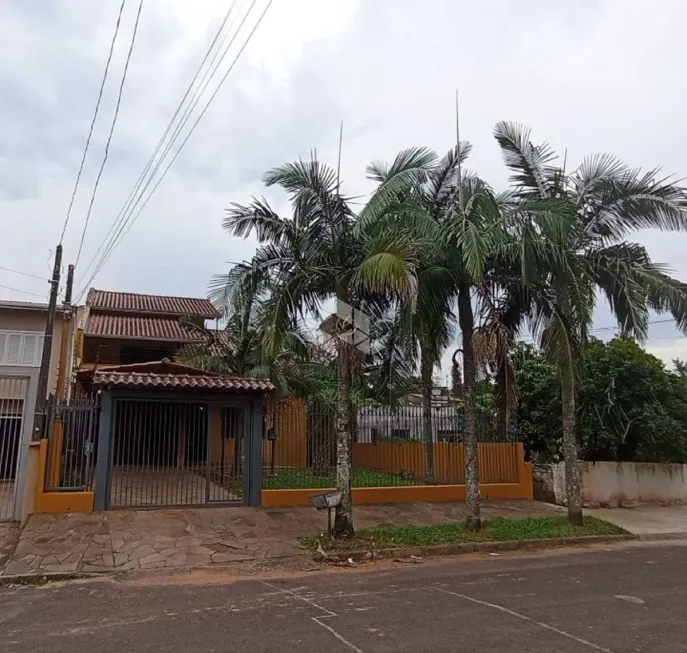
{"x": 56, "y": 502}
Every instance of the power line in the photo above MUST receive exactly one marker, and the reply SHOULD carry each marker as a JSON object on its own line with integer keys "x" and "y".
{"x": 605, "y": 328}
{"x": 95, "y": 116}
{"x": 26, "y": 292}
{"x": 128, "y": 203}
{"x": 25, "y": 274}
{"x": 193, "y": 127}
{"x": 126, "y": 225}
{"x": 122, "y": 233}
{"x": 112, "y": 128}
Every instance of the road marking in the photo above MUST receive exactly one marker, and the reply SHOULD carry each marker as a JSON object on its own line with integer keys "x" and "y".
{"x": 630, "y": 599}
{"x": 318, "y": 620}
{"x": 541, "y": 624}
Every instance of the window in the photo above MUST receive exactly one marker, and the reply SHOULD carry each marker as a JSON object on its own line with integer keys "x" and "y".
{"x": 21, "y": 348}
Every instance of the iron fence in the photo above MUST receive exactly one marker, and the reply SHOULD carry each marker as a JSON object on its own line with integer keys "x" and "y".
{"x": 388, "y": 446}
{"x": 72, "y": 430}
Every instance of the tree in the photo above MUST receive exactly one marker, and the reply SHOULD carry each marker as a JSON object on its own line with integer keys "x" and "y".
{"x": 456, "y": 221}
{"x": 629, "y": 407}
{"x": 238, "y": 349}
{"x": 568, "y": 232}
{"x": 314, "y": 255}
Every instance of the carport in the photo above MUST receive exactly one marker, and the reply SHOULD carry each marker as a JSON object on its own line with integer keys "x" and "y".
{"x": 173, "y": 435}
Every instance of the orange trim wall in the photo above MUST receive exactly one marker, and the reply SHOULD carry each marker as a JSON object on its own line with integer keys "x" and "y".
{"x": 55, "y": 502}
{"x": 518, "y": 486}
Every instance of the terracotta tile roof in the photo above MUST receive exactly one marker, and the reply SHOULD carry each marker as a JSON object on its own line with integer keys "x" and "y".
{"x": 178, "y": 381}
{"x": 125, "y": 302}
{"x": 140, "y": 328}
{"x": 167, "y": 375}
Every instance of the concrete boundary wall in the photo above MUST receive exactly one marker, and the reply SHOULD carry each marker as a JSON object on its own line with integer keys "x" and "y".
{"x": 612, "y": 484}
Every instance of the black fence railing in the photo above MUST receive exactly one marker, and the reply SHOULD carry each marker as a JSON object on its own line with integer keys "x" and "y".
{"x": 72, "y": 429}
{"x": 391, "y": 446}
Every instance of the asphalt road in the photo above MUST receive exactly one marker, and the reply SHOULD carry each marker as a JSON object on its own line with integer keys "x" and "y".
{"x": 626, "y": 599}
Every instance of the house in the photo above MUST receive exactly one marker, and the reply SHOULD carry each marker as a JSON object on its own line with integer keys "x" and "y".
{"x": 22, "y": 328}
{"x": 166, "y": 434}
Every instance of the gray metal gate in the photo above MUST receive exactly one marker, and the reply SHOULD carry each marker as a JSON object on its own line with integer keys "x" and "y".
{"x": 13, "y": 391}
{"x": 168, "y": 453}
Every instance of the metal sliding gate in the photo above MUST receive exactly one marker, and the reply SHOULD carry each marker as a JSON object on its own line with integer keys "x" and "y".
{"x": 13, "y": 391}
{"x": 168, "y": 453}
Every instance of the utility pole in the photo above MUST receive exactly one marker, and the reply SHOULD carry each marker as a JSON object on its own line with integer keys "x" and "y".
{"x": 66, "y": 332}
{"x": 42, "y": 390}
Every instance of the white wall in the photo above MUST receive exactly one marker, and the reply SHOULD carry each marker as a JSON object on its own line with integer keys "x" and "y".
{"x": 610, "y": 484}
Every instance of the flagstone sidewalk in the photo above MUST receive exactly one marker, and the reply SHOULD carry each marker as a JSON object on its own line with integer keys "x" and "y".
{"x": 125, "y": 540}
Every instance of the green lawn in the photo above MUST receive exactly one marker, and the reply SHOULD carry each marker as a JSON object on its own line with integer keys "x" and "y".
{"x": 497, "y": 529}
{"x": 303, "y": 477}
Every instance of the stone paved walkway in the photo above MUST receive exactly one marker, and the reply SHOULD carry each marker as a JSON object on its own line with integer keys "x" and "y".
{"x": 9, "y": 535}
{"x": 124, "y": 540}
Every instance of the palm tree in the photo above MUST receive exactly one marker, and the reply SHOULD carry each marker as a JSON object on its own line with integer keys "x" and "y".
{"x": 456, "y": 219}
{"x": 568, "y": 233}
{"x": 316, "y": 255}
{"x": 237, "y": 349}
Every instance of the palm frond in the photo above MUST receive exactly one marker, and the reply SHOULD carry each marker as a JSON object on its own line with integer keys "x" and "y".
{"x": 529, "y": 163}
{"x": 258, "y": 216}
{"x": 613, "y": 207}
{"x": 409, "y": 169}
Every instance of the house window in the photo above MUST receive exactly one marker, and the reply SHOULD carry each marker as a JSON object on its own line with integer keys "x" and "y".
{"x": 21, "y": 348}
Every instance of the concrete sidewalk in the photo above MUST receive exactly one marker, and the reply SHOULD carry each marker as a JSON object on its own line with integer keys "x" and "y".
{"x": 125, "y": 540}
{"x": 647, "y": 521}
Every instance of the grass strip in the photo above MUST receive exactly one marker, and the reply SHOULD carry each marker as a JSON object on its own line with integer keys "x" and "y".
{"x": 496, "y": 529}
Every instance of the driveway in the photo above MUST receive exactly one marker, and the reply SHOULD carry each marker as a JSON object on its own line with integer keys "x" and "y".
{"x": 629, "y": 599}
{"x": 126, "y": 540}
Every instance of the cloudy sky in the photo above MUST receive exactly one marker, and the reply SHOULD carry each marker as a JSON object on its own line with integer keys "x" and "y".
{"x": 590, "y": 76}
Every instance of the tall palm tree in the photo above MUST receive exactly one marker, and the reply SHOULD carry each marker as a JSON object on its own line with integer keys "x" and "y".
{"x": 418, "y": 191}
{"x": 457, "y": 220}
{"x": 315, "y": 255}
{"x": 568, "y": 232}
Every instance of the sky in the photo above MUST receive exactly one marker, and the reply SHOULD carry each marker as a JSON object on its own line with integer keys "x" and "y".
{"x": 588, "y": 77}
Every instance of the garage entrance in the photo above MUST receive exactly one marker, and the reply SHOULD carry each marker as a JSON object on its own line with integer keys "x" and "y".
{"x": 176, "y": 454}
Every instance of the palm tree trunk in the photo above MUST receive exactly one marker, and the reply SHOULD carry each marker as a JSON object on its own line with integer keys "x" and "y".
{"x": 572, "y": 474}
{"x": 343, "y": 520}
{"x": 472, "y": 498}
{"x": 426, "y": 368}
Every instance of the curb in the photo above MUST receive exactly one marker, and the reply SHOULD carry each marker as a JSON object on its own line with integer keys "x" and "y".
{"x": 479, "y": 547}
{"x": 662, "y": 537}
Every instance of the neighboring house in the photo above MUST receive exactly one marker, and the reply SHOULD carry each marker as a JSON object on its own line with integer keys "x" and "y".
{"x": 22, "y": 327}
